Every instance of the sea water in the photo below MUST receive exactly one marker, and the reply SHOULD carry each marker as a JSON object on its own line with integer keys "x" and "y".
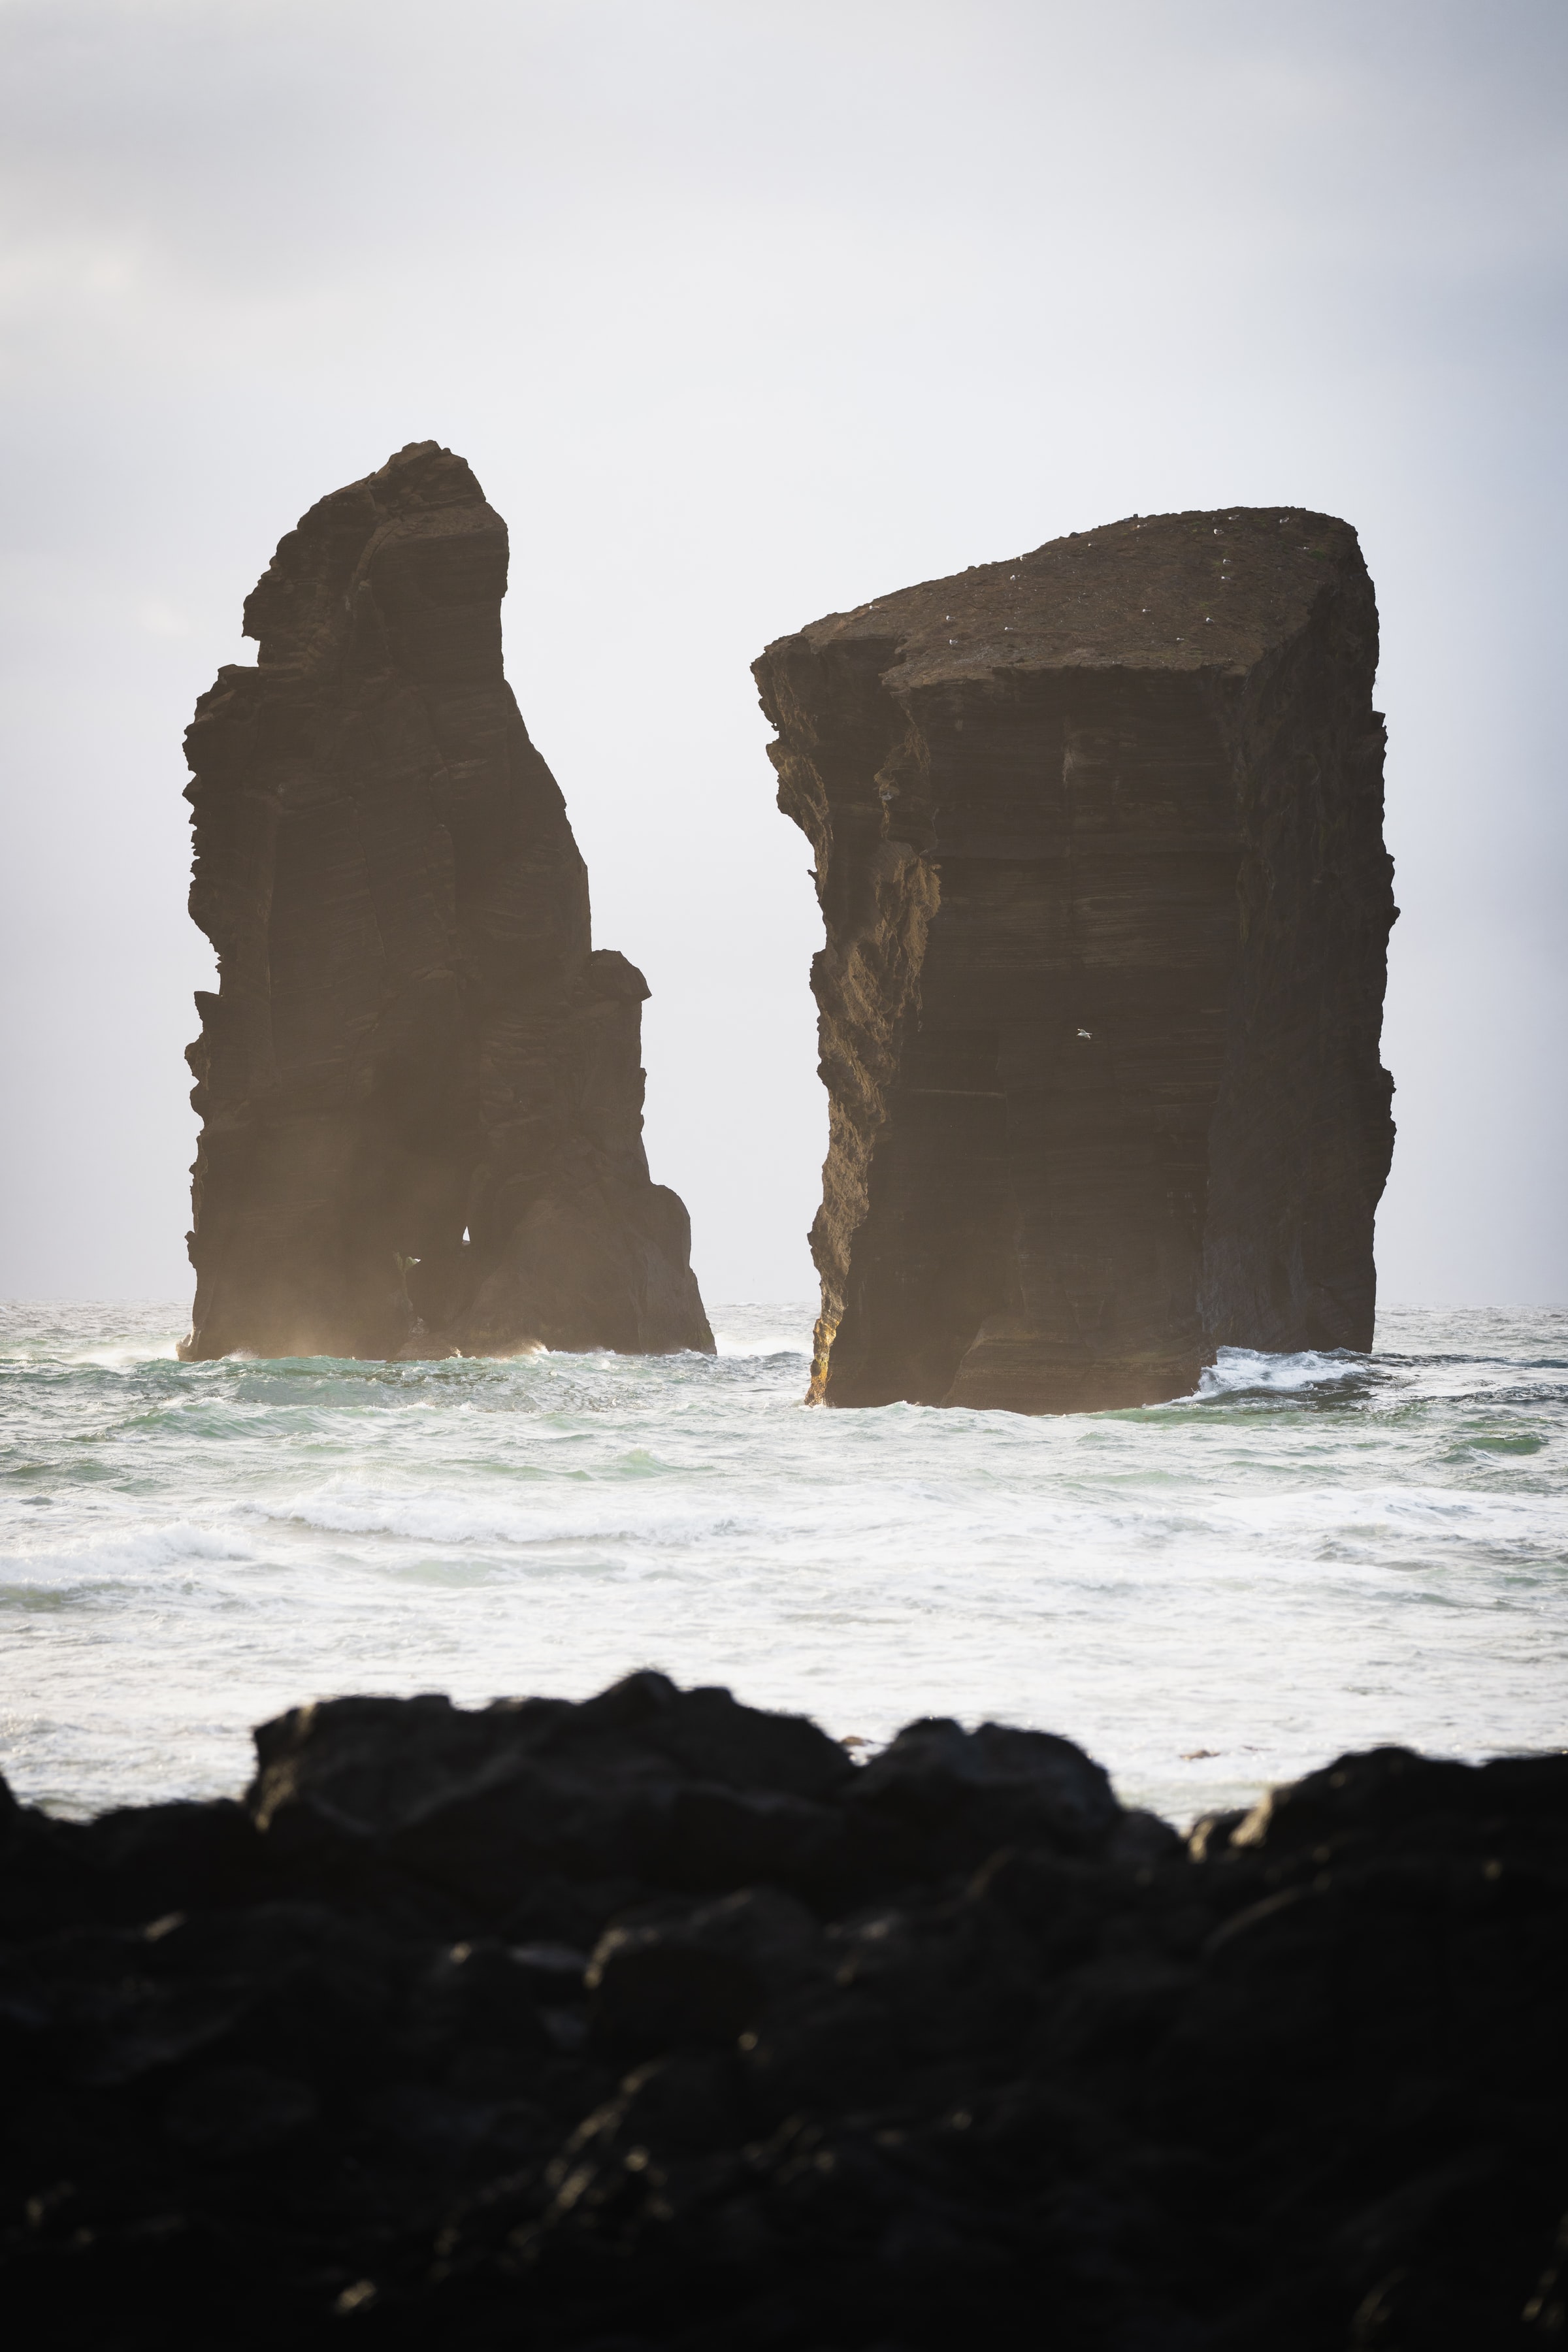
{"x": 1310, "y": 1554}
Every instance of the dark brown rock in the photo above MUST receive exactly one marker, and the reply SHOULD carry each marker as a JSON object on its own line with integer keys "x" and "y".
{"x": 419, "y": 1083}
{"x": 1099, "y": 845}
{"x": 1021, "y": 2067}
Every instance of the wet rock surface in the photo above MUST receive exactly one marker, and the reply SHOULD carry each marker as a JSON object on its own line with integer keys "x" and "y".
{"x": 1097, "y": 836}
{"x": 653, "y": 2021}
{"x": 419, "y": 1083}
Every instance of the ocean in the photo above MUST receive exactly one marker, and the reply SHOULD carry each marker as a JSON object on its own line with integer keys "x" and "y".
{"x": 1310, "y": 1554}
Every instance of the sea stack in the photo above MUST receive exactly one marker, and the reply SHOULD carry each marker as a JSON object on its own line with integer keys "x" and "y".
{"x": 419, "y": 1083}
{"x": 1099, "y": 844}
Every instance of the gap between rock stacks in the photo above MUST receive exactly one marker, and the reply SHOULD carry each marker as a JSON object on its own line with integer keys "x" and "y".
{"x": 1099, "y": 845}
{"x": 420, "y": 1085}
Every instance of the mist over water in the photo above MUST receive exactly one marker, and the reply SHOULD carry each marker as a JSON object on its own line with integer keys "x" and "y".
{"x": 1311, "y": 1554}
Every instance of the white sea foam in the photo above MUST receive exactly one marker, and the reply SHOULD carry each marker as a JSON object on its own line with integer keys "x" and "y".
{"x": 124, "y": 1551}
{"x": 1237, "y": 1371}
{"x": 1311, "y": 1552}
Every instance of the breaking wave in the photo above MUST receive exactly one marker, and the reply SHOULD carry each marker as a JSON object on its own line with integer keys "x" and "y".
{"x": 1312, "y": 1552}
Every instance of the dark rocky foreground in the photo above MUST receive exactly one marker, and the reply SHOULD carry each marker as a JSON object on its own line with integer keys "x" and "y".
{"x": 419, "y": 1083}
{"x": 654, "y": 2022}
{"x": 1097, "y": 835}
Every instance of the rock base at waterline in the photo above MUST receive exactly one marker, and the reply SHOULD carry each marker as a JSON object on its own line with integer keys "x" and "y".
{"x": 654, "y": 2022}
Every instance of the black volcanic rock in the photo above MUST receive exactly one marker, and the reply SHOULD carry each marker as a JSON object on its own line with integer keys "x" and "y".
{"x": 463, "y": 2030}
{"x": 419, "y": 1083}
{"x": 1098, "y": 838}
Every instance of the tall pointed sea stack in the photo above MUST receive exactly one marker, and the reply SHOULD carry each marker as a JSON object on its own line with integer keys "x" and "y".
{"x": 1099, "y": 840}
{"x": 419, "y": 1084}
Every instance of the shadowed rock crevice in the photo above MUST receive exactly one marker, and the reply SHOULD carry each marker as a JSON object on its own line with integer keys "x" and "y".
{"x": 1097, "y": 841}
{"x": 420, "y": 1086}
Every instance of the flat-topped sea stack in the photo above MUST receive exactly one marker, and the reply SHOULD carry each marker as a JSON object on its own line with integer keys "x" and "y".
{"x": 420, "y": 1085}
{"x": 1099, "y": 844}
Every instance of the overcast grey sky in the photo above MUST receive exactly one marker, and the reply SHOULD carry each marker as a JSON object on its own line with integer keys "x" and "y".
{"x": 742, "y": 310}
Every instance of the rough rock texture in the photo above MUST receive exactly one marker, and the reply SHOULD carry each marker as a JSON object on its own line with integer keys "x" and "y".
{"x": 1099, "y": 847}
{"x": 419, "y": 1084}
{"x": 654, "y": 2022}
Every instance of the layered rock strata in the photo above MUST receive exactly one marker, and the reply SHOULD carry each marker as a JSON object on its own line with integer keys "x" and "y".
{"x": 1097, "y": 841}
{"x": 419, "y": 1083}
{"x": 654, "y": 2022}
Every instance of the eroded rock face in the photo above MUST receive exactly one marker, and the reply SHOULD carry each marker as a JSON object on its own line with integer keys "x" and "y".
{"x": 1099, "y": 847}
{"x": 654, "y": 2022}
{"x": 420, "y": 1085}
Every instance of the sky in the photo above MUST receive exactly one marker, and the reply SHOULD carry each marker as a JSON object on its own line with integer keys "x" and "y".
{"x": 743, "y": 311}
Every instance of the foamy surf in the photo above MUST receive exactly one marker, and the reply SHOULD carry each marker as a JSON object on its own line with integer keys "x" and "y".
{"x": 1242, "y": 1371}
{"x": 1313, "y": 1552}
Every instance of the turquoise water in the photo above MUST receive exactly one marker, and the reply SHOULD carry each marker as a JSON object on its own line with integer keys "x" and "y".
{"x": 1310, "y": 1554}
